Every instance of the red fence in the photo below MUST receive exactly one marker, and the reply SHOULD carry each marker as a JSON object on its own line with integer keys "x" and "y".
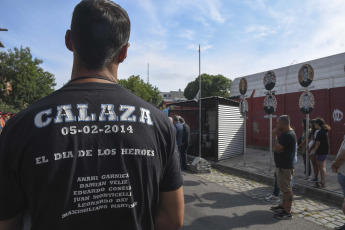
{"x": 327, "y": 101}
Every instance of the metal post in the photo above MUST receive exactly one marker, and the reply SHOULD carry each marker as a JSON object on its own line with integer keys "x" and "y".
{"x": 271, "y": 144}
{"x": 307, "y": 145}
{"x": 199, "y": 106}
{"x": 244, "y": 141}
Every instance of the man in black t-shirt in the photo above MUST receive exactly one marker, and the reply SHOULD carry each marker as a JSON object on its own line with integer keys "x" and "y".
{"x": 284, "y": 153}
{"x": 91, "y": 155}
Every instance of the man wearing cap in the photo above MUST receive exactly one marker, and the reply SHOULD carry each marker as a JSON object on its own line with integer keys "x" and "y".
{"x": 92, "y": 155}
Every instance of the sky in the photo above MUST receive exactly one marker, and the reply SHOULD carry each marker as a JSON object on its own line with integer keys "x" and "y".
{"x": 237, "y": 37}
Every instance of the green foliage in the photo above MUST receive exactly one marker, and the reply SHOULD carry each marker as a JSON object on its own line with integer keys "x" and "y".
{"x": 142, "y": 89}
{"x": 211, "y": 85}
{"x": 29, "y": 81}
{"x": 7, "y": 108}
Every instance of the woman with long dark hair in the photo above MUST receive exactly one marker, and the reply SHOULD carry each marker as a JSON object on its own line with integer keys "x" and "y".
{"x": 321, "y": 149}
{"x": 311, "y": 151}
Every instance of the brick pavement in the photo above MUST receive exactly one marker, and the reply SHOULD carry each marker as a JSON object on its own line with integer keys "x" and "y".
{"x": 313, "y": 210}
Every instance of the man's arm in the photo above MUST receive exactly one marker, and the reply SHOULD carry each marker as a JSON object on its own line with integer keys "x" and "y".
{"x": 15, "y": 223}
{"x": 311, "y": 147}
{"x": 339, "y": 161}
{"x": 276, "y": 146}
{"x": 170, "y": 211}
{"x": 302, "y": 144}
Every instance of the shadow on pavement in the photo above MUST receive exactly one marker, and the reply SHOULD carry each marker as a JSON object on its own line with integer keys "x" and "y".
{"x": 222, "y": 200}
{"x": 225, "y": 223}
{"x": 190, "y": 183}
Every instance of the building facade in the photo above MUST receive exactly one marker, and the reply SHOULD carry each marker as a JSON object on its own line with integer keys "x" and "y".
{"x": 328, "y": 88}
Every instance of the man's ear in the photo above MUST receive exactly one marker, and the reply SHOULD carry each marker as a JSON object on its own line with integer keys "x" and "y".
{"x": 123, "y": 53}
{"x": 68, "y": 40}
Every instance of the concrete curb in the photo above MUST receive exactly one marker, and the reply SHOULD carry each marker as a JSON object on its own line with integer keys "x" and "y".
{"x": 321, "y": 194}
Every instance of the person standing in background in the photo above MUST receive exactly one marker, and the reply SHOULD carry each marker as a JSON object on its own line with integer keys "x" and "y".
{"x": 179, "y": 134}
{"x": 338, "y": 167}
{"x": 321, "y": 149}
{"x": 311, "y": 151}
{"x": 2, "y": 123}
{"x": 284, "y": 154}
{"x": 186, "y": 142}
{"x": 303, "y": 150}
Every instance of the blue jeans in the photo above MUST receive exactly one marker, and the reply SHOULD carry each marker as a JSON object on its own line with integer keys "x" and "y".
{"x": 276, "y": 189}
{"x": 341, "y": 181}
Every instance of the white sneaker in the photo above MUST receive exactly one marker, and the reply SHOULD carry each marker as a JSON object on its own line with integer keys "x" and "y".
{"x": 272, "y": 198}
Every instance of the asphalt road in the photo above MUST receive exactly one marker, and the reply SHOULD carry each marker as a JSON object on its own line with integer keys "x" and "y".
{"x": 210, "y": 206}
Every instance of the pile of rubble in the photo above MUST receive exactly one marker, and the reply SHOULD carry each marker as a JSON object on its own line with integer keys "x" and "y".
{"x": 199, "y": 165}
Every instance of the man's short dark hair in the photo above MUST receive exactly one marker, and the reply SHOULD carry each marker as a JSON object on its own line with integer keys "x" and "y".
{"x": 176, "y": 118}
{"x": 285, "y": 119}
{"x": 99, "y": 29}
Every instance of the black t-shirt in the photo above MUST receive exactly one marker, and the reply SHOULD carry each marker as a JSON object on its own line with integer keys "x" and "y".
{"x": 322, "y": 137}
{"x": 285, "y": 159}
{"x": 88, "y": 156}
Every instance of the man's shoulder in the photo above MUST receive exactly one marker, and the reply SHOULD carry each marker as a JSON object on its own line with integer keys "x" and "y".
{"x": 179, "y": 126}
{"x": 290, "y": 133}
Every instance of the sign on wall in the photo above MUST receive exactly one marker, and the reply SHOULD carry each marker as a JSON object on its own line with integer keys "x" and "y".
{"x": 305, "y": 75}
{"x": 269, "y": 80}
{"x": 306, "y": 102}
{"x": 243, "y": 86}
{"x": 270, "y": 104}
{"x": 244, "y": 107}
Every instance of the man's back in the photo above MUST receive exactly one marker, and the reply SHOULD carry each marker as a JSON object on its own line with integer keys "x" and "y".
{"x": 88, "y": 156}
{"x": 186, "y": 135}
{"x": 179, "y": 133}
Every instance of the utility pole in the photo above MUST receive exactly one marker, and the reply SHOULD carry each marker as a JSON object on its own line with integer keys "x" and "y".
{"x": 148, "y": 72}
{"x": 199, "y": 103}
{"x": 1, "y": 45}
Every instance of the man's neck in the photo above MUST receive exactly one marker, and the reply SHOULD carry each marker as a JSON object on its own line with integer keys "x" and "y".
{"x": 107, "y": 73}
{"x": 286, "y": 129}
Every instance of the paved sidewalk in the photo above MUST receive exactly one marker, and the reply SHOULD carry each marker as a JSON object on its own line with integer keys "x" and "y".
{"x": 321, "y": 213}
{"x": 257, "y": 166}
{"x": 208, "y": 205}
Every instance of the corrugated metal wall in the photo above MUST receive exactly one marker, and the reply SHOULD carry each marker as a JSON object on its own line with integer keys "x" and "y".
{"x": 230, "y": 132}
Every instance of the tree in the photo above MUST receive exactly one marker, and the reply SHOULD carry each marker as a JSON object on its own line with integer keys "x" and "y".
{"x": 22, "y": 80}
{"x": 143, "y": 90}
{"x": 211, "y": 85}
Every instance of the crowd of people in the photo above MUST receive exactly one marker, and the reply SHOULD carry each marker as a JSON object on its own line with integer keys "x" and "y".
{"x": 4, "y": 117}
{"x": 287, "y": 145}
{"x": 317, "y": 150}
